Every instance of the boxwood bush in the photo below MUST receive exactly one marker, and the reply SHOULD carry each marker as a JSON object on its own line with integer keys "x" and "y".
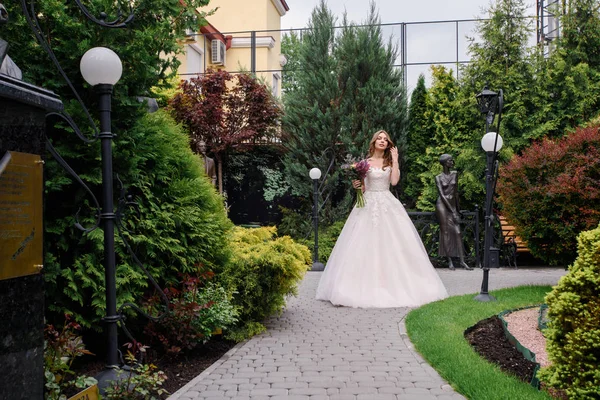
{"x": 328, "y": 236}
{"x": 264, "y": 270}
{"x": 573, "y": 334}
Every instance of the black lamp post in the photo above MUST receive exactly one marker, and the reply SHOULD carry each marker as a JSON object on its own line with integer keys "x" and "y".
{"x": 315, "y": 174}
{"x": 101, "y": 68}
{"x": 490, "y": 104}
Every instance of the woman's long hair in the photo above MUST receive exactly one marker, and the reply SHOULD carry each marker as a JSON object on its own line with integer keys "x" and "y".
{"x": 387, "y": 155}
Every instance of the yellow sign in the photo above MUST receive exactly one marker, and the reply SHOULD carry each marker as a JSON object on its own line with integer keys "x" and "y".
{"x": 90, "y": 393}
{"x": 21, "y": 180}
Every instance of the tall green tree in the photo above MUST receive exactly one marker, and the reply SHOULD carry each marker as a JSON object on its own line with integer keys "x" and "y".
{"x": 168, "y": 186}
{"x": 373, "y": 96}
{"x": 570, "y": 76}
{"x": 418, "y": 137}
{"x": 449, "y": 134}
{"x": 290, "y": 47}
{"x": 311, "y": 123}
{"x": 348, "y": 88}
{"x": 580, "y": 32}
{"x": 502, "y": 60}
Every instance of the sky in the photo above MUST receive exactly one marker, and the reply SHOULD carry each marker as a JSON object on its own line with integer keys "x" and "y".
{"x": 426, "y": 43}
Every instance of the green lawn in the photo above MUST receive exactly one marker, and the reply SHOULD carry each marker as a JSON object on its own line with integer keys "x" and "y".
{"x": 436, "y": 330}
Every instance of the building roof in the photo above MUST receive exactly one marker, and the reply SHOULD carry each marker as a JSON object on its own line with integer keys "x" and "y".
{"x": 211, "y": 32}
{"x": 281, "y": 6}
{"x": 287, "y": 8}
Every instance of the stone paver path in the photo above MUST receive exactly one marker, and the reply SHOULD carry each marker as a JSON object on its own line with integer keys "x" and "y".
{"x": 317, "y": 351}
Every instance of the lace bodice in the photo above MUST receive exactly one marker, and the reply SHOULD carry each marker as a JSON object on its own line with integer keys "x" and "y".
{"x": 377, "y": 179}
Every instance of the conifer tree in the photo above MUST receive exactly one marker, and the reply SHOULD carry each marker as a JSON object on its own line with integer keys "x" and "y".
{"x": 449, "y": 134}
{"x": 346, "y": 89}
{"x": 418, "y": 136}
{"x": 570, "y": 77}
{"x": 373, "y": 96}
{"x": 580, "y": 32}
{"x": 150, "y": 156}
{"x": 502, "y": 60}
{"x": 311, "y": 123}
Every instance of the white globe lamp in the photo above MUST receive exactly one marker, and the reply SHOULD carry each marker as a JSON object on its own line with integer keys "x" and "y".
{"x": 101, "y": 66}
{"x": 488, "y": 141}
{"x": 315, "y": 173}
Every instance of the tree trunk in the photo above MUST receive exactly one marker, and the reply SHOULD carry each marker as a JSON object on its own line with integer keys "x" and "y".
{"x": 219, "y": 172}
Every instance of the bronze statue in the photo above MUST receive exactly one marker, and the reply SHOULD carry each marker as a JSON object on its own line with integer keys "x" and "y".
{"x": 209, "y": 163}
{"x": 447, "y": 211}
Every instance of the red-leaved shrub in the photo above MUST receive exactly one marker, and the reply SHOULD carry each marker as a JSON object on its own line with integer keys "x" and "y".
{"x": 550, "y": 193}
{"x": 197, "y": 309}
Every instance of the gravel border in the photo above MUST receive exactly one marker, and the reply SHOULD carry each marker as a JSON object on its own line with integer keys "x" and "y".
{"x": 523, "y": 325}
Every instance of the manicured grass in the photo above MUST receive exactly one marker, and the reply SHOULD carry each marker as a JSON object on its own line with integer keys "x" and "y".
{"x": 437, "y": 329}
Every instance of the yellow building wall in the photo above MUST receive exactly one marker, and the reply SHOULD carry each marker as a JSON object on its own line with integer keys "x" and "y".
{"x": 186, "y": 69}
{"x": 273, "y": 63}
{"x": 243, "y": 16}
{"x": 239, "y": 15}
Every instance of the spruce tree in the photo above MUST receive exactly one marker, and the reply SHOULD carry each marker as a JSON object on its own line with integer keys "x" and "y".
{"x": 311, "y": 123}
{"x": 346, "y": 89}
{"x": 373, "y": 96}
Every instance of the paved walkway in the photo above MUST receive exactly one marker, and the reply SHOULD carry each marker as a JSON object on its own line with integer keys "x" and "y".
{"x": 317, "y": 351}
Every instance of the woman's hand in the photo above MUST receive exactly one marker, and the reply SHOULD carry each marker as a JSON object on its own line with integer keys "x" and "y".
{"x": 356, "y": 184}
{"x": 394, "y": 153}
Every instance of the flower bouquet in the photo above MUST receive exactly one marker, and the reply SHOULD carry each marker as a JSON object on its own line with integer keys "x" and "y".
{"x": 357, "y": 170}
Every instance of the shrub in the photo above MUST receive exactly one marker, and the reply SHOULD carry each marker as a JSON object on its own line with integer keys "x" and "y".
{"x": 197, "y": 309}
{"x": 61, "y": 348}
{"x": 181, "y": 222}
{"x": 263, "y": 271}
{"x": 140, "y": 381}
{"x": 551, "y": 192}
{"x": 327, "y": 238}
{"x": 573, "y": 334}
{"x": 294, "y": 223}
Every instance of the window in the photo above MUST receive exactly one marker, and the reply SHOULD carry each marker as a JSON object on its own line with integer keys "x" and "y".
{"x": 276, "y": 80}
{"x": 194, "y": 61}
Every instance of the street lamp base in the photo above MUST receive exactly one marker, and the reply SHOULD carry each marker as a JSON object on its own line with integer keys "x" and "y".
{"x": 109, "y": 375}
{"x": 485, "y": 297}
{"x": 317, "y": 266}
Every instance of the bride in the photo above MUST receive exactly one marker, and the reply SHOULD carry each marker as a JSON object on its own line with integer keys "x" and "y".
{"x": 379, "y": 259}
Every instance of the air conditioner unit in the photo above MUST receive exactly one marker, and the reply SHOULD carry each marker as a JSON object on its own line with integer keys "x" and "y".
{"x": 218, "y": 52}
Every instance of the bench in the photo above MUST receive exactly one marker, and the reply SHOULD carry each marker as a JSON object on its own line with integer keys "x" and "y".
{"x": 511, "y": 243}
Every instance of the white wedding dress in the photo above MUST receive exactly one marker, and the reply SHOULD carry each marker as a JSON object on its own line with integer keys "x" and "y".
{"x": 379, "y": 259}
